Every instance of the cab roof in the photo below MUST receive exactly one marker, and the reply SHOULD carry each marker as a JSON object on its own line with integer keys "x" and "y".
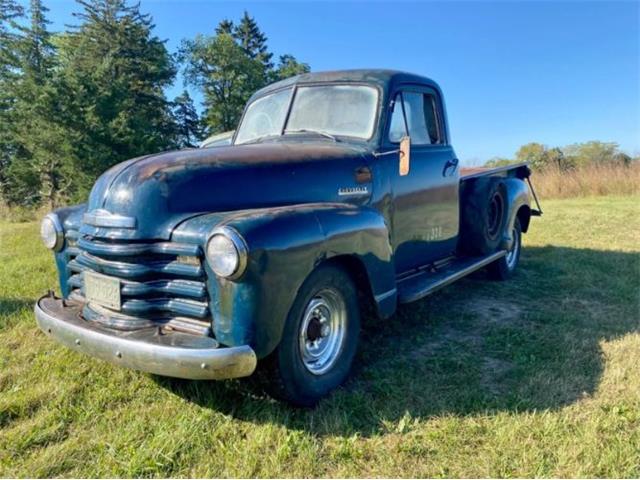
{"x": 379, "y": 77}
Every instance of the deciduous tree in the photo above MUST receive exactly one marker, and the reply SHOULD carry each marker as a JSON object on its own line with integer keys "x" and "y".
{"x": 230, "y": 66}
{"x": 594, "y": 152}
{"x": 288, "y": 66}
{"x": 226, "y": 75}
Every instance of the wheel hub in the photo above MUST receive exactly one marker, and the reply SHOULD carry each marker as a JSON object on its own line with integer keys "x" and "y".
{"x": 318, "y": 327}
{"x": 322, "y": 331}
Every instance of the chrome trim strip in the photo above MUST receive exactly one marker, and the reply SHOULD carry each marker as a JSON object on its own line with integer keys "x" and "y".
{"x": 383, "y": 296}
{"x": 177, "y": 287}
{"x": 97, "y": 247}
{"x": 173, "y": 354}
{"x": 126, "y": 270}
{"x": 103, "y": 218}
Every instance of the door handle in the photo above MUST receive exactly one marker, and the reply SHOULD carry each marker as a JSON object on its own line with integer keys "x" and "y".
{"x": 452, "y": 163}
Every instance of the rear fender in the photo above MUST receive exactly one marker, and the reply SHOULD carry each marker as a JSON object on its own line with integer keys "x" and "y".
{"x": 518, "y": 205}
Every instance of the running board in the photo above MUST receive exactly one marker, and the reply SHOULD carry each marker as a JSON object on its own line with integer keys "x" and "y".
{"x": 425, "y": 283}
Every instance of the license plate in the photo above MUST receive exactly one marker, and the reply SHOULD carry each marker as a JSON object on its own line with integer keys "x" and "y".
{"x": 103, "y": 290}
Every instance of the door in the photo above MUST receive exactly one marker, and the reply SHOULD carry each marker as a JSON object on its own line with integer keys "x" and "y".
{"x": 425, "y": 199}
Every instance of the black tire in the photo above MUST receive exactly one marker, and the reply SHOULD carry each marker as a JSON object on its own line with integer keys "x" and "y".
{"x": 483, "y": 216}
{"x": 503, "y": 269}
{"x": 288, "y": 375}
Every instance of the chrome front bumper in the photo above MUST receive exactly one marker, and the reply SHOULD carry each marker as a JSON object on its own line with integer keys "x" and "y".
{"x": 172, "y": 354}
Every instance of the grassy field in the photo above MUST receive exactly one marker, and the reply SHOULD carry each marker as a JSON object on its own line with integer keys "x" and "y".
{"x": 538, "y": 376}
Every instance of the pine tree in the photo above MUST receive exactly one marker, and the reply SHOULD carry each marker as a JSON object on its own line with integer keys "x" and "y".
{"x": 114, "y": 70}
{"x": 36, "y": 170}
{"x": 38, "y": 50}
{"x": 10, "y": 13}
{"x": 188, "y": 127}
{"x": 225, "y": 26}
{"x": 252, "y": 41}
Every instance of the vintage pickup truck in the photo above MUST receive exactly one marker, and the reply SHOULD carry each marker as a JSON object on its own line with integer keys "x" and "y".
{"x": 338, "y": 188}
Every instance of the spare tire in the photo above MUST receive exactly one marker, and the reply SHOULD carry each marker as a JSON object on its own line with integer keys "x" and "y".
{"x": 483, "y": 215}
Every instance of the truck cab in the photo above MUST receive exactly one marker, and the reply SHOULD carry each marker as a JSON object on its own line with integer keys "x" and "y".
{"x": 338, "y": 188}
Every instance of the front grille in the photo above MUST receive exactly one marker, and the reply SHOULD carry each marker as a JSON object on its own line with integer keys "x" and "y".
{"x": 163, "y": 284}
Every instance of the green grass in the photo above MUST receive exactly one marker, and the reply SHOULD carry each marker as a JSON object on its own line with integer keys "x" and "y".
{"x": 538, "y": 376}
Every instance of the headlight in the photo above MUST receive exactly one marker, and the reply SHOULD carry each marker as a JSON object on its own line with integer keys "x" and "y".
{"x": 51, "y": 232}
{"x": 227, "y": 253}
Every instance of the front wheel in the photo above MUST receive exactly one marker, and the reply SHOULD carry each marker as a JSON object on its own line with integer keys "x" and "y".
{"x": 319, "y": 341}
{"x": 503, "y": 269}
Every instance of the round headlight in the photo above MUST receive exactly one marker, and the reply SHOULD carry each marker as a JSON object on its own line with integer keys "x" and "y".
{"x": 51, "y": 232}
{"x": 227, "y": 253}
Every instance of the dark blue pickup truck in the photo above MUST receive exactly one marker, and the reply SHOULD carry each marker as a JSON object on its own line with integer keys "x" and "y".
{"x": 338, "y": 188}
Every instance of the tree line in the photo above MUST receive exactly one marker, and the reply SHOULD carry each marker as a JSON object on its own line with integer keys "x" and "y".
{"x": 76, "y": 102}
{"x": 577, "y": 155}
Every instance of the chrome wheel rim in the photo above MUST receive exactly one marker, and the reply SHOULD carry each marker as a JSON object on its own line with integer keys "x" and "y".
{"x": 322, "y": 331}
{"x": 512, "y": 254}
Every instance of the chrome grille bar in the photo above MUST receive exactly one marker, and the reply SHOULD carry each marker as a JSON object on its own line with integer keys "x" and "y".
{"x": 128, "y": 270}
{"x": 97, "y": 247}
{"x": 160, "y": 285}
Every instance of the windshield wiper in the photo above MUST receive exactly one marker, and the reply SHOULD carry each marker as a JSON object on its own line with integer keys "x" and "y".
{"x": 310, "y": 130}
{"x": 260, "y": 139}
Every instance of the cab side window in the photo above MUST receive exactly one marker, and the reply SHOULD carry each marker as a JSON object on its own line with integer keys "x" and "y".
{"x": 397, "y": 127}
{"x": 422, "y": 125}
{"x": 421, "y": 118}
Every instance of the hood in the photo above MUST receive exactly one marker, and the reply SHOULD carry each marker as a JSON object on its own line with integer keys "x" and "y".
{"x": 145, "y": 198}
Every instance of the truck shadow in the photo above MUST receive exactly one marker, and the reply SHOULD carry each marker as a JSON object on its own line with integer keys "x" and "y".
{"x": 11, "y": 306}
{"x": 479, "y": 346}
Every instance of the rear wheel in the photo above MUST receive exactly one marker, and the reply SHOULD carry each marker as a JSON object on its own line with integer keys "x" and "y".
{"x": 483, "y": 216}
{"x": 503, "y": 268}
{"x": 319, "y": 341}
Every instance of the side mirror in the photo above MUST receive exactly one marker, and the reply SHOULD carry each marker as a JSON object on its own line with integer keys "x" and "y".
{"x": 405, "y": 155}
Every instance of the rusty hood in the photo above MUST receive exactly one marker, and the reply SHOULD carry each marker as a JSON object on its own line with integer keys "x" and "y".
{"x": 145, "y": 198}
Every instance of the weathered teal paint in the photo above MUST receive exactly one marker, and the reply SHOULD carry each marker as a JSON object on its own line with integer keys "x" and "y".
{"x": 286, "y": 197}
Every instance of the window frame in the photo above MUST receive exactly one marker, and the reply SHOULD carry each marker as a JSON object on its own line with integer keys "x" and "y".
{"x": 393, "y": 106}
{"x": 437, "y": 106}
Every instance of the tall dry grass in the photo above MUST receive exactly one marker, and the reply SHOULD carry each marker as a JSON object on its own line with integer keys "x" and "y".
{"x": 19, "y": 214}
{"x": 590, "y": 180}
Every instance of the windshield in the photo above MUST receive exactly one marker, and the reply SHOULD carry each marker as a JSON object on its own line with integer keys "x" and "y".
{"x": 328, "y": 110}
{"x": 264, "y": 117}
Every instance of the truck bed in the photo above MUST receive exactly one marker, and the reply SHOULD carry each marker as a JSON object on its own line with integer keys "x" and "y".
{"x": 520, "y": 170}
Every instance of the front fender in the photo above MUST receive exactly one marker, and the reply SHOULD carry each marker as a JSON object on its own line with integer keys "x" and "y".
{"x": 285, "y": 245}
